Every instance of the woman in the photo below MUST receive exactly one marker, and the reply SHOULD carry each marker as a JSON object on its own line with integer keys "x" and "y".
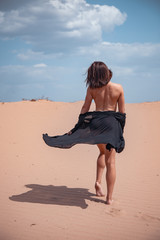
{"x": 107, "y": 96}
{"x": 103, "y": 127}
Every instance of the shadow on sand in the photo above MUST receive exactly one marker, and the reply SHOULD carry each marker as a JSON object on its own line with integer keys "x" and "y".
{"x": 57, "y": 195}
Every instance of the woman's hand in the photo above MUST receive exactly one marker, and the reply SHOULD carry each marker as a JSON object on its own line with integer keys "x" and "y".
{"x": 69, "y": 133}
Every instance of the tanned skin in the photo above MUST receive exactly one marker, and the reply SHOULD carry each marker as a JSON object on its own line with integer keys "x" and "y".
{"x": 107, "y": 98}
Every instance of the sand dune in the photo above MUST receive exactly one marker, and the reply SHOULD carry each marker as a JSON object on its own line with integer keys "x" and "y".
{"x": 48, "y": 193}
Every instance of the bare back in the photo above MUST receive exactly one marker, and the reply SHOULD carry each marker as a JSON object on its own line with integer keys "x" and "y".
{"x": 106, "y": 98}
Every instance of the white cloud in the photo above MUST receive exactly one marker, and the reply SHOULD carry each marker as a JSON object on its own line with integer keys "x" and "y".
{"x": 36, "y": 55}
{"x": 40, "y": 65}
{"x": 124, "y": 53}
{"x": 59, "y": 25}
{"x": 9, "y": 5}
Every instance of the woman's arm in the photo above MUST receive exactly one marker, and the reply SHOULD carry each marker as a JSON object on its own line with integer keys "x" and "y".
{"x": 121, "y": 101}
{"x": 86, "y": 105}
{"x": 87, "y": 102}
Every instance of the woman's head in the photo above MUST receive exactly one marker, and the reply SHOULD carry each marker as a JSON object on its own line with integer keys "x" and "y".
{"x": 98, "y": 75}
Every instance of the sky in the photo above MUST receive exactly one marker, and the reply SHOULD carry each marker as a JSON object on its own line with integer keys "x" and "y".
{"x": 46, "y": 47}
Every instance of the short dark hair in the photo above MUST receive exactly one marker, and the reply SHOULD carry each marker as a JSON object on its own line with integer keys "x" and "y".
{"x": 98, "y": 75}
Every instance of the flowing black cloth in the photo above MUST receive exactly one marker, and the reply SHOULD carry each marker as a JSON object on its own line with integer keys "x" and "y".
{"x": 93, "y": 128}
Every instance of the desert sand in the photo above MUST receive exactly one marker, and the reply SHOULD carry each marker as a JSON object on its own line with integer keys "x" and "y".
{"x": 48, "y": 193}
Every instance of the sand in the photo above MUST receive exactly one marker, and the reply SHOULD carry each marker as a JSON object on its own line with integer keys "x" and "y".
{"x": 48, "y": 193}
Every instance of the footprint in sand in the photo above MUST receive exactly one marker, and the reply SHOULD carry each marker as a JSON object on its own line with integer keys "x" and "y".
{"x": 146, "y": 217}
{"x": 114, "y": 212}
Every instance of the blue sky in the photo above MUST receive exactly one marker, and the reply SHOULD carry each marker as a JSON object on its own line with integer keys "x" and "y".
{"x": 46, "y": 47}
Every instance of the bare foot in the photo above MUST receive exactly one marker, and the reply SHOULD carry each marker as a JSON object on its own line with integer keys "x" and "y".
{"x": 99, "y": 191}
{"x": 109, "y": 201}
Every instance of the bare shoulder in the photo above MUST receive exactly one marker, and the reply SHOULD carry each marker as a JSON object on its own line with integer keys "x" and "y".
{"x": 116, "y": 86}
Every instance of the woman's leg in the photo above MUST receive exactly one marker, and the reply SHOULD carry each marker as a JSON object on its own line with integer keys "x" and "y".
{"x": 110, "y": 173}
{"x": 100, "y": 169}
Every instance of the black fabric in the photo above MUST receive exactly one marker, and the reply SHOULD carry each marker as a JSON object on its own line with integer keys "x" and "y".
{"x": 93, "y": 128}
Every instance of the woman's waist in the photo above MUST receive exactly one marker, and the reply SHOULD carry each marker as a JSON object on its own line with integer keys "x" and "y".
{"x": 105, "y": 109}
